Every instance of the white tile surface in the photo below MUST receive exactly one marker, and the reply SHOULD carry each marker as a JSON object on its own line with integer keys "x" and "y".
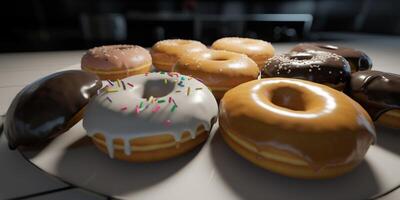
{"x": 19, "y": 178}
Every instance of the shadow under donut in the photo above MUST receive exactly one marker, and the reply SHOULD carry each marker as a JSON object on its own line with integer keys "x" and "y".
{"x": 82, "y": 164}
{"x": 388, "y": 138}
{"x": 251, "y": 182}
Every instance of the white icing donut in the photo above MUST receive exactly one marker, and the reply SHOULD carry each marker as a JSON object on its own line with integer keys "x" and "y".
{"x": 148, "y": 105}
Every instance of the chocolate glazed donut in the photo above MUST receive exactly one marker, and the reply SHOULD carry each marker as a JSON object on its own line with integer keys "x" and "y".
{"x": 317, "y": 66}
{"x": 378, "y": 92}
{"x": 46, "y": 107}
{"x": 358, "y": 60}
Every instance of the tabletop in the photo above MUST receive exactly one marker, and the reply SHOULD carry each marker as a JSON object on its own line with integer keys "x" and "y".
{"x": 22, "y": 180}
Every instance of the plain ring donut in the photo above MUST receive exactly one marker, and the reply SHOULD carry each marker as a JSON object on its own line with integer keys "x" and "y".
{"x": 219, "y": 70}
{"x": 165, "y": 53}
{"x": 258, "y": 50}
{"x": 296, "y": 128}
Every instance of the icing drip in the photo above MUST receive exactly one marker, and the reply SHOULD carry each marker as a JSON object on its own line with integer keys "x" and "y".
{"x": 150, "y": 105}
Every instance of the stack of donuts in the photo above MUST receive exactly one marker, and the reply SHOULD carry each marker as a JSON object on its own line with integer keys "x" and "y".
{"x": 308, "y": 113}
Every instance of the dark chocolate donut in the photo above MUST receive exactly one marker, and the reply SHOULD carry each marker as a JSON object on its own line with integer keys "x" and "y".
{"x": 44, "y": 108}
{"x": 317, "y": 66}
{"x": 358, "y": 60}
{"x": 376, "y": 91}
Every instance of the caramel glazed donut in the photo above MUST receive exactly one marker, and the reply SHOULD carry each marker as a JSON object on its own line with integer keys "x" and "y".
{"x": 358, "y": 60}
{"x": 166, "y": 53}
{"x": 379, "y": 93}
{"x": 116, "y": 61}
{"x": 296, "y": 128}
{"x": 151, "y": 117}
{"x": 219, "y": 70}
{"x": 258, "y": 50}
{"x": 316, "y": 66}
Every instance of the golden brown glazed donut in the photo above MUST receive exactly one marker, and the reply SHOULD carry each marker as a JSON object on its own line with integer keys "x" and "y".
{"x": 114, "y": 62}
{"x": 296, "y": 128}
{"x": 219, "y": 70}
{"x": 165, "y": 53}
{"x": 258, "y": 50}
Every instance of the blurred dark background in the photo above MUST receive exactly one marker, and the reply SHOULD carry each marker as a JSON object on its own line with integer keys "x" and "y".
{"x": 44, "y": 25}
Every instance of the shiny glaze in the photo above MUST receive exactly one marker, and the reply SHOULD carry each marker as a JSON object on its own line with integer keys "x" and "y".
{"x": 43, "y": 108}
{"x": 166, "y": 53}
{"x": 317, "y": 66}
{"x": 217, "y": 68}
{"x": 358, "y": 60}
{"x": 257, "y": 50}
{"x": 115, "y": 57}
{"x": 116, "y": 115}
{"x": 378, "y": 92}
{"x": 313, "y": 122}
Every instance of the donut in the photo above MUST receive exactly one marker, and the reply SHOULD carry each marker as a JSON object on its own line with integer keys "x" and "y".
{"x": 358, "y": 60}
{"x": 295, "y": 128}
{"x": 220, "y": 70}
{"x": 165, "y": 53}
{"x": 258, "y": 50}
{"x": 317, "y": 66}
{"x": 151, "y": 117}
{"x": 48, "y": 107}
{"x": 114, "y": 62}
{"x": 379, "y": 93}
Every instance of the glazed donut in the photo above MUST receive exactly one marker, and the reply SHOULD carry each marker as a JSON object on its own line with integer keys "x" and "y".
{"x": 258, "y": 50}
{"x": 379, "y": 93}
{"x": 317, "y": 66}
{"x": 165, "y": 53}
{"x": 116, "y": 61}
{"x": 358, "y": 60}
{"x": 219, "y": 70}
{"x": 295, "y": 128}
{"x": 48, "y": 107}
{"x": 151, "y": 117}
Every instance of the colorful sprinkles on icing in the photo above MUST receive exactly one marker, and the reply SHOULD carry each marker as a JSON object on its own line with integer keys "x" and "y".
{"x": 153, "y": 105}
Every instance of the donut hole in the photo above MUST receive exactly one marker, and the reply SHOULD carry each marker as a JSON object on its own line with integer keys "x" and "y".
{"x": 289, "y": 98}
{"x": 301, "y": 56}
{"x": 330, "y": 47}
{"x": 219, "y": 58}
{"x": 157, "y": 88}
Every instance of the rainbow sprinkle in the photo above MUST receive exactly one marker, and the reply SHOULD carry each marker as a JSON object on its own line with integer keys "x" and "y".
{"x": 124, "y": 108}
{"x": 178, "y": 91}
{"x": 123, "y": 85}
{"x": 109, "y": 90}
{"x": 130, "y": 84}
{"x": 188, "y": 91}
{"x": 167, "y": 122}
{"x": 173, "y": 108}
{"x": 169, "y": 99}
{"x": 156, "y": 109}
{"x": 199, "y": 88}
{"x": 137, "y": 109}
{"x": 118, "y": 83}
{"x": 165, "y": 81}
{"x": 109, "y": 99}
{"x": 109, "y": 82}
{"x": 161, "y": 101}
{"x": 150, "y": 99}
{"x": 141, "y": 104}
